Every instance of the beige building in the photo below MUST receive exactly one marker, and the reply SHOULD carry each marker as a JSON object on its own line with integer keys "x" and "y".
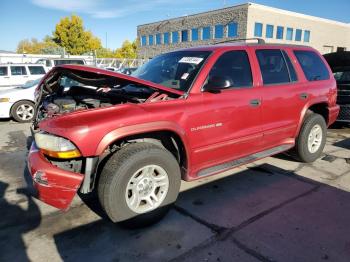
{"x": 243, "y": 21}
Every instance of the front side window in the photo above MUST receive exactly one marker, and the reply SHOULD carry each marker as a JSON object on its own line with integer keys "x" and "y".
{"x": 279, "y": 33}
{"x": 312, "y": 65}
{"x": 184, "y": 35}
{"x": 289, "y": 33}
{"x": 176, "y": 70}
{"x": 175, "y": 37}
{"x": 158, "y": 39}
{"x": 269, "y": 31}
{"x": 143, "y": 40}
{"x": 3, "y": 71}
{"x": 206, "y": 33}
{"x": 219, "y": 31}
{"x": 150, "y": 39}
{"x": 195, "y": 34}
{"x": 298, "y": 34}
{"x": 232, "y": 30}
{"x": 306, "y": 36}
{"x": 18, "y": 70}
{"x": 272, "y": 66}
{"x": 166, "y": 38}
{"x": 233, "y": 66}
{"x": 258, "y": 29}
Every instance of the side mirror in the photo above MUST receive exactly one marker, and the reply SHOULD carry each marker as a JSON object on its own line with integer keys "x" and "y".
{"x": 216, "y": 83}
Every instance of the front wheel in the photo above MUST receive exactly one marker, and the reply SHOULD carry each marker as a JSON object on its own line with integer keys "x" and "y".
{"x": 23, "y": 111}
{"x": 138, "y": 184}
{"x": 312, "y": 138}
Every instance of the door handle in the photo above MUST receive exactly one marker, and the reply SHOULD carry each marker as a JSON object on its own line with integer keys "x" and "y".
{"x": 255, "y": 102}
{"x": 304, "y": 96}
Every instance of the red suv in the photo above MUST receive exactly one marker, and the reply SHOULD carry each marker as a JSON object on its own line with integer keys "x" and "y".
{"x": 185, "y": 115}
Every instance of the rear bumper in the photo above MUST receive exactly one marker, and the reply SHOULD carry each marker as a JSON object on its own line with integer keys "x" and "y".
{"x": 333, "y": 114}
{"x": 54, "y": 186}
{"x": 344, "y": 114}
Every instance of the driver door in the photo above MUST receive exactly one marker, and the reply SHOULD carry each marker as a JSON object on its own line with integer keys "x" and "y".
{"x": 228, "y": 125}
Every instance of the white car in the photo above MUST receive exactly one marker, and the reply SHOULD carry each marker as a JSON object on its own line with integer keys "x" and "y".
{"x": 19, "y": 102}
{"x": 12, "y": 75}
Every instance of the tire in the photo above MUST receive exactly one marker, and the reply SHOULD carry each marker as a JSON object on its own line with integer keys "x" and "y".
{"x": 23, "y": 111}
{"x": 304, "y": 152}
{"x": 129, "y": 167}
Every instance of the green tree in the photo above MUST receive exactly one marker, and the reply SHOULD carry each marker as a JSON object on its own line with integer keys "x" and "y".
{"x": 71, "y": 34}
{"x": 33, "y": 46}
{"x": 128, "y": 50}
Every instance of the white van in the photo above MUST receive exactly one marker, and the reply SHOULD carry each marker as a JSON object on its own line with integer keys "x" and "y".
{"x": 12, "y": 75}
{"x": 51, "y": 62}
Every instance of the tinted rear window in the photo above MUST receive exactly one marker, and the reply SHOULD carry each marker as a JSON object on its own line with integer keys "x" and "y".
{"x": 292, "y": 73}
{"x": 65, "y": 62}
{"x": 312, "y": 65}
{"x": 36, "y": 70}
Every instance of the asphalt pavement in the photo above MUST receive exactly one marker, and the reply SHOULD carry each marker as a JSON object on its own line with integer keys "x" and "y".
{"x": 275, "y": 209}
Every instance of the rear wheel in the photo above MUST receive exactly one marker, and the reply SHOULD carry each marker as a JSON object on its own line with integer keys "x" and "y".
{"x": 23, "y": 111}
{"x": 312, "y": 138}
{"x": 138, "y": 184}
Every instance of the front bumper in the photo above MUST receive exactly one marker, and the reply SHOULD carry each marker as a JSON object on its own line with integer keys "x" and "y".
{"x": 5, "y": 108}
{"x": 54, "y": 186}
{"x": 344, "y": 114}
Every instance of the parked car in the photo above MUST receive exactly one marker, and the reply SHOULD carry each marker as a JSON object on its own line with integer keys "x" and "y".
{"x": 185, "y": 115}
{"x": 19, "y": 102}
{"x": 51, "y": 62}
{"x": 12, "y": 75}
{"x": 340, "y": 65}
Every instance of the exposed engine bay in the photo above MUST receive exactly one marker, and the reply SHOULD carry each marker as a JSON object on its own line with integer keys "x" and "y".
{"x": 65, "y": 91}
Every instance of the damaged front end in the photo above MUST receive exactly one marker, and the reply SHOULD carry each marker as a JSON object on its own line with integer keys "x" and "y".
{"x": 58, "y": 167}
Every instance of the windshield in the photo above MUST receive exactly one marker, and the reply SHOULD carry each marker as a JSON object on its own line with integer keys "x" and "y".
{"x": 176, "y": 70}
{"x": 30, "y": 84}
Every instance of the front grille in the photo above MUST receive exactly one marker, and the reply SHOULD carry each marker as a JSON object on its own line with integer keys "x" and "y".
{"x": 344, "y": 113}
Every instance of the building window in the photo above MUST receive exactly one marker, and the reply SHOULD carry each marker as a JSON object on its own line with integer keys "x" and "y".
{"x": 150, "y": 39}
{"x": 143, "y": 40}
{"x": 279, "y": 32}
{"x": 166, "y": 38}
{"x": 232, "y": 30}
{"x": 206, "y": 33}
{"x": 306, "y": 36}
{"x": 289, "y": 33}
{"x": 219, "y": 31}
{"x": 258, "y": 29}
{"x": 184, "y": 36}
{"x": 158, "y": 39}
{"x": 195, "y": 34}
{"x": 298, "y": 34}
{"x": 269, "y": 31}
{"x": 175, "y": 37}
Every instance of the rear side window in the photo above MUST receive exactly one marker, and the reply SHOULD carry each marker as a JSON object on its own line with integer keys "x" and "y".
{"x": 36, "y": 70}
{"x": 272, "y": 66}
{"x": 234, "y": 65}
{"x": 312, "y": 65}
{"x": 292, "y": 73}
{"x": 3, "y": 71}
{"x": 18, "y": 70}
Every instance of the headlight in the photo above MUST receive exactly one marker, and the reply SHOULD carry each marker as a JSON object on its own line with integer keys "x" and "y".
{"x": 55, "y": 146}
{"x": 5, "y": 99}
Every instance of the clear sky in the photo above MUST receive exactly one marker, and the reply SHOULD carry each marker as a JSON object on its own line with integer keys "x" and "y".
{"x": 20, "y": 19}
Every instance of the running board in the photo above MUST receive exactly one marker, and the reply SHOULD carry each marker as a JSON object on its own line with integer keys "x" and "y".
{"x": 244, "y": 160}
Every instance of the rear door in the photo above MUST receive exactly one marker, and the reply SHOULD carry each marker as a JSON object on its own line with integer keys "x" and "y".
{"x": 19, "y": 75}
{"x": 283, "y": 97}
{"x": 228, "y": 124}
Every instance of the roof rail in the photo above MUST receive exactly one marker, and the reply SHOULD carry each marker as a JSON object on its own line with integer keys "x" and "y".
{"x": 260, "y": 40}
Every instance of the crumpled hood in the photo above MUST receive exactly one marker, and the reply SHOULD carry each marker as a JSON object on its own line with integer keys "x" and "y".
{"x": 119, "y": 76}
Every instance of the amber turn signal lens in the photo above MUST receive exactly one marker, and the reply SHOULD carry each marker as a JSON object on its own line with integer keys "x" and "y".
{"x": 63, "y": 155}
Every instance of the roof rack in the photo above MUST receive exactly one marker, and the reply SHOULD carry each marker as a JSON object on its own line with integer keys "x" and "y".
{"x": 260, "y": 40}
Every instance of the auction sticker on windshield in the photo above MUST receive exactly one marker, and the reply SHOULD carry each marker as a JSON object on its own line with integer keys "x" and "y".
{"x": 191, "y": 60}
